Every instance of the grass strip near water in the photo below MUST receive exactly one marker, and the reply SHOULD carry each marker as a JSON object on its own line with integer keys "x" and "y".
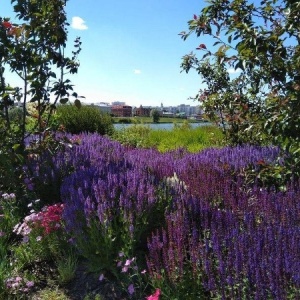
{"x": 181, "y": 136}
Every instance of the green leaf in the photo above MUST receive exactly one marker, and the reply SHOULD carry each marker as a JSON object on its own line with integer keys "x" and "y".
{"x": 64, "y": 100}
{"x": 77, "y": 103}
{"x": 16, "y": 147}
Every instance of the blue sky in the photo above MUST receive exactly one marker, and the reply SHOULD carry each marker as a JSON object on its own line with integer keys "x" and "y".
{"x": 131, "y": 50}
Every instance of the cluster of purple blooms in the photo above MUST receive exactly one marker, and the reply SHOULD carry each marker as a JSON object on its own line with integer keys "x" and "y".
{"x": 19, "y": 284}
{"x": 240, "y": 240}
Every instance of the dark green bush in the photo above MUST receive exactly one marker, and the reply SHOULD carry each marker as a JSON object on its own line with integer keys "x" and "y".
{"x": 84, "y": 119}
{"x": 125, "y": 120}
{"x": 15, "y": 114}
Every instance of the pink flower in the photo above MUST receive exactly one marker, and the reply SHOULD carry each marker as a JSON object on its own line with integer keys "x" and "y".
{"x": 128, "y": 262}
{"x": 155, "y": 296}
{"x": 124, "y": 269}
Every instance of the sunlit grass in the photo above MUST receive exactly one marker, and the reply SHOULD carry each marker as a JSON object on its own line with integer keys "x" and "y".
{"x": 181, "y": 136}
{"x": 193, "y": 140}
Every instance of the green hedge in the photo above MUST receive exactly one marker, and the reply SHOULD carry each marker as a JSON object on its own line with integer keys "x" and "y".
{"x": 84, "y": 119}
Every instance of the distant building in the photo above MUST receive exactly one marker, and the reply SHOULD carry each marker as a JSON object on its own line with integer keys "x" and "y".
{"x": 103, "y": 106}
{"x": 142, "y": 111}
{"x": 168, "y": 114}
{"x": 121, "y": 110}
{"x": 116, "y": 103}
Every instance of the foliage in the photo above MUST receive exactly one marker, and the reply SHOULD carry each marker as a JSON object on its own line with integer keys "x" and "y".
{"x": 34, "y": 52}
{"x": 124, "y": 120}
{"x": 135, "y": 136}
{"x": 260, "y": 103}
{"x": 66, "y": 267}
{"x": 52, "y": 294}
{"x": 182, "y": 136}
{"x": 155, "y": 115}
{"x": 84, "y": 119}
{"x": 15, "y": 115}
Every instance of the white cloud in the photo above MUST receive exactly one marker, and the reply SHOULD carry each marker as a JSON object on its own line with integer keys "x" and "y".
{"x": 233, "y": 71}
{"x": 78, "y": 23}
{"x": 136, "y": 71}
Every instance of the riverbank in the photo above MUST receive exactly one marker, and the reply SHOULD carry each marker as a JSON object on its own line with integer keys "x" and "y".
{"x": 149, "y": 120}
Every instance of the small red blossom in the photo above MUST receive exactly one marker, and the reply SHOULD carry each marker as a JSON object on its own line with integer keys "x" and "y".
{"x": 201, "y": 46}
{"x": 7, "y": 25}
{"x": 50, "y": 218}
{"x": 155, "y": 296}
{"x": 195, "y": 17}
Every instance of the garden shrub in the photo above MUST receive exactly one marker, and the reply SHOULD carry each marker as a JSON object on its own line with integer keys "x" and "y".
{"x": 84, "y": 119}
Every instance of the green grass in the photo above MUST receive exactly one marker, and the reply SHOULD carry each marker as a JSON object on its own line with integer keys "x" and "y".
{"x": 193, "y": 140}
{"x": 51, "y": 294}
{"x": 182, "y": 136}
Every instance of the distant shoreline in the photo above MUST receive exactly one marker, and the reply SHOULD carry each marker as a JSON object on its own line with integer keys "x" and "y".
{"x": 149, "y": 120}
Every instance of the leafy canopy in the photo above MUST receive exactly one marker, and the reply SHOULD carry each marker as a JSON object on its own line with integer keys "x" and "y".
{"x": 33, "y": 50}
{"x": 260, "y": 43}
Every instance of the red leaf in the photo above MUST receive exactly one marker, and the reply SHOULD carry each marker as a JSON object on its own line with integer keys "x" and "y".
{"x": 7, "y": 25}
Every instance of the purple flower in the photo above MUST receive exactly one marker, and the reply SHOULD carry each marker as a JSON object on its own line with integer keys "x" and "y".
{"x": 101, "y": 277}
{"x": 29, "y": 284}
{"x": 131, "y": 289}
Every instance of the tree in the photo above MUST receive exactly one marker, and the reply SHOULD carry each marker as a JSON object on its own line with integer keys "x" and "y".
{"x": 34, "y": 51}
{"x": 261, "y": 103}
{"x": 155, "y": 115}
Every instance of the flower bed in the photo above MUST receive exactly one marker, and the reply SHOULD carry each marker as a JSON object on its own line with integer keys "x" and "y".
{"x": 190, "y": 220}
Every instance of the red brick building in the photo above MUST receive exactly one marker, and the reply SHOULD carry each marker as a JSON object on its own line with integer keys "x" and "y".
{"x": 121, "y": 111}
{"x": 142, "y": 111}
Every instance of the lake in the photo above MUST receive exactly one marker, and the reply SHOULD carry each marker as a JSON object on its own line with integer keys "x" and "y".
{"x": 163, "y": 126}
